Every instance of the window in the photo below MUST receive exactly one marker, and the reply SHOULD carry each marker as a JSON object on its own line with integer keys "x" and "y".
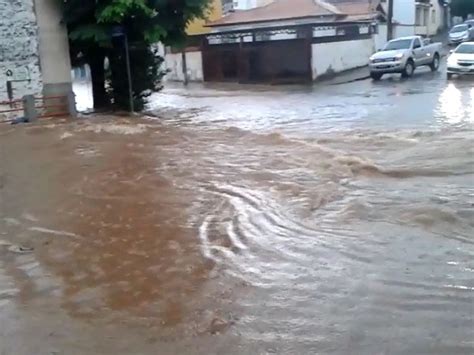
{"x": 459, "y": 28}
{"x": 398, "y": 44}
{"x": 416, "y": 44}
{"x": 419, "y": 16}
{"x": 433, "y": 16}
{"x": 465, "y": 49}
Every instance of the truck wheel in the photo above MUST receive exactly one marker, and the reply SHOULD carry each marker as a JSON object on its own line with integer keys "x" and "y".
{"x": 435, "y": 64}
{"x": 409, "y": 69}
{"x": 376, "y": 76}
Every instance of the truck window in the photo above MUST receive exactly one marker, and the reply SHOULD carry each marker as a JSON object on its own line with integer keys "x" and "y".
{"x": 398, "y": 44}
{"x": 417, "y": 43}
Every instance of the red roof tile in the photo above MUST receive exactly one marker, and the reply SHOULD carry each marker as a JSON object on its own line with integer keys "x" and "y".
{"x": 279, "y": 10}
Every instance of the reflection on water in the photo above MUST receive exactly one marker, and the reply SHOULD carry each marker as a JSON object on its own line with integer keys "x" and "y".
{"x": 472, "y": 105}
{"x": 457, "y": 104}
{"x": 451, "y": 104}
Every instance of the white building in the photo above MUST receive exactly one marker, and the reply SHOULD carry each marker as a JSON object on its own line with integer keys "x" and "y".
{"x": 249, "y": 4}
{"x": 415, "y": 17}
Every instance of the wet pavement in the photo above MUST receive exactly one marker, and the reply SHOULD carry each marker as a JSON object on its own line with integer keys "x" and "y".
{"x": 334, "y": 219}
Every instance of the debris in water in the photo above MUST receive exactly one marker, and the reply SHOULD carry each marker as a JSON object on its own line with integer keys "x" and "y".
{"x": 65, "y": 135}
{"x": 219, "y": 325}
{"x": 21, "y": 119}
{"x": 53, "y": 232}
{"x": 19, "y": 249}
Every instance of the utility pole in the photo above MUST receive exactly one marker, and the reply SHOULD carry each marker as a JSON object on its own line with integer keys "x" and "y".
{"x": 390, "y": 20}
{"x": 184, "y": 67}
{"x": 117, "y": 32}
{"x": 129, "y": 76}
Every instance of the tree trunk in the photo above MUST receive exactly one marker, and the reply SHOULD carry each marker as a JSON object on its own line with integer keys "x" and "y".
{"x": 118, "y": 78}
{"x": 96, "y": 63}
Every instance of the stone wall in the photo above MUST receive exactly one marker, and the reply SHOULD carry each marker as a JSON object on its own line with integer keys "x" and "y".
{"x": 19, "y": 47}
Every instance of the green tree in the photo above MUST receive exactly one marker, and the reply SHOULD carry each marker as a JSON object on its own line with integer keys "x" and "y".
{"x": 90, "y": 24}
{"x": 462, "y": 8}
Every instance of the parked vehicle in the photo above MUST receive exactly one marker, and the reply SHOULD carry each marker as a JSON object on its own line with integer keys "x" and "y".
{"x": 470, "y": 23}
{"x": 461, "y": 60}
{"x": 461, "y": 33}
{"x": 404, "y": 55}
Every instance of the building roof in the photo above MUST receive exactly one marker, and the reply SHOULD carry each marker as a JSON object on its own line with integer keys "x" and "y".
{"x": 358, "y": 10}
{"x": 355, "y": 7}
{"x": 279, "y": 10}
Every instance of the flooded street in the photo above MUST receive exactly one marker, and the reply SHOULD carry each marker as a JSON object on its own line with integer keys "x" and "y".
{"x": 334, "y": 219}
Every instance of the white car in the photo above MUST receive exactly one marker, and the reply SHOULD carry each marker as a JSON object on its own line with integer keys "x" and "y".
{"x": 461, "y": 60}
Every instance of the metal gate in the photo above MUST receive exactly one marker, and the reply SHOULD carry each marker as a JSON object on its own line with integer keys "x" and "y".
{"x": 284, "y": 61}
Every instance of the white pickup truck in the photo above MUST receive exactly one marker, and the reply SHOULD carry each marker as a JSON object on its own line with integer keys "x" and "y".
{"x": 404, "y": 55}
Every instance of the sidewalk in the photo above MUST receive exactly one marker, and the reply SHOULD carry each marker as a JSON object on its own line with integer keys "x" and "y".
{"x": 347, "y": 76}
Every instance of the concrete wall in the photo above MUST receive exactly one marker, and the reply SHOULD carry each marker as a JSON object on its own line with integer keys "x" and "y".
{"x": 403, "y": 31}
{"x": 174, "y": 64}
{"x": 403, "y": 11}
{"x": 53, "y": 48}
{"x": 334, "y": 57}
{"x": 439, "y": 15}
{"x": 380, "y": 39}
{"x": 19, "y": 48}
{"x": 250, "y": 4}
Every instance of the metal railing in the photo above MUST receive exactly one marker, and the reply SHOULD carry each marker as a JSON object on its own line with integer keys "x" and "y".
{"x": 31, "y": 108}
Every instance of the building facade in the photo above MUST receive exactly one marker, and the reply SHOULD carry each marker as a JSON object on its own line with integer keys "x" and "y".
{"x": 415, "y": 17}
{"x": 34, "y": 49}
{"x": 285, "y": 41}
{"x": 174, "y": 58}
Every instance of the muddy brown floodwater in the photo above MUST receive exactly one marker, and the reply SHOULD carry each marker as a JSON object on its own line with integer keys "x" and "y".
{"x": 150, "y": 236}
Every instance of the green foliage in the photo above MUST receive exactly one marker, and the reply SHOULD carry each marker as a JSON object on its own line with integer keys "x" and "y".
{"x": 462, "y": 8}
{"x": 90, "y": 24}
{"x": 145, "y": 64}
{"x": 118, "y": 10}
{"x": 145, "y": 20}
{"x": 93, "y": 32}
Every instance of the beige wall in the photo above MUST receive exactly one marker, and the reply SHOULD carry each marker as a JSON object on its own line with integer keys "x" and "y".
{"x": 53, "y": 48}
{"x": 198, "y": 26}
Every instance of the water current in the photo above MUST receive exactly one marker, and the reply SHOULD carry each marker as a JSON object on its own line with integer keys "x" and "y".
{"x": 312, "y": 221}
